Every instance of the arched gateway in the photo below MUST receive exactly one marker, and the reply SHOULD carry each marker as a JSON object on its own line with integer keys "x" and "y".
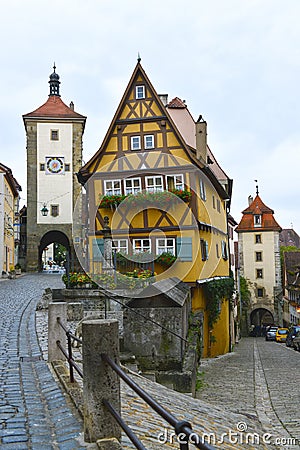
{"x": 54, "y": 155}
{"x": 59, "y": 238}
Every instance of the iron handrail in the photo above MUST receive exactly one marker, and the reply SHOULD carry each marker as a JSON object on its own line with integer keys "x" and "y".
{"x": 180, "y": 426}
{"x": 69, "y": 354}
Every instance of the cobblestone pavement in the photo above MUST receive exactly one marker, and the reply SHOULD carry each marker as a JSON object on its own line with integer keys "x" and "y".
{"x": 259, "y": 379}
{"x": 34, "y": 412}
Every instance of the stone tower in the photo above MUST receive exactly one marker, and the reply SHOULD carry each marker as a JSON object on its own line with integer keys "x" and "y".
{"x": 259, "y": 260}
{"x": 54, "y": 155}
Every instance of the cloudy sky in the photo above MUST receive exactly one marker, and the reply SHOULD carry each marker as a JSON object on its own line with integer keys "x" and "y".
{"x": 236, "y": 62}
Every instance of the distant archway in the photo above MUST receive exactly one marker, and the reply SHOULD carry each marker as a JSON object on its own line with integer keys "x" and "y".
{"x": 260, "y": 318}
{"x": 54, "y": 237}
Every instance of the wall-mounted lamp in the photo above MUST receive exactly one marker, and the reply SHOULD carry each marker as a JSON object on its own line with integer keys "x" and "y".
{"x": 44, "y": 210}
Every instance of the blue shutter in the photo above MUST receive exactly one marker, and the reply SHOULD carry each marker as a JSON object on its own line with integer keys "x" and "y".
{"x": 184, "y": 249}
{"x": 98, "y": 250}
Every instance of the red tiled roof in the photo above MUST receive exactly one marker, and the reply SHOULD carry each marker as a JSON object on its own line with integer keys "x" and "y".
{"x": 176, "y": 103}
{"x": 55, "y": 107}
{"x": 257, "y": 207}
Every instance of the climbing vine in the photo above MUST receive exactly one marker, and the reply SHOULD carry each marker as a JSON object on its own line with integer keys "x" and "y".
{"x": 216, "y": 291}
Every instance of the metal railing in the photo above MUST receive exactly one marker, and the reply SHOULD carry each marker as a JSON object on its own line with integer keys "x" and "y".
{"x": 68, "y": 353}
{"x": 182, "y": 428}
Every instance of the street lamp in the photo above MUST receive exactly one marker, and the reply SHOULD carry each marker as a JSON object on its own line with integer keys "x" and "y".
{"x": 44, "y": 210}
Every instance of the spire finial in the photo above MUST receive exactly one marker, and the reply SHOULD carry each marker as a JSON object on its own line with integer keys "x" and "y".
{"x": 256, "y": 187}
{"x": 139, "y": 58}
{"x": 54, "y": 83}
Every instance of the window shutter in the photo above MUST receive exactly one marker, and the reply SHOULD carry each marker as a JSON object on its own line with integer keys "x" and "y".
{"x": 98, "y": 250}
{"x": 184, "y": 249}
{"x": 206, "y": 249}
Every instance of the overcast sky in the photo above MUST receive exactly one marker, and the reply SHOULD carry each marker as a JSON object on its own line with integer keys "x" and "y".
{"x": 236, "y": 62}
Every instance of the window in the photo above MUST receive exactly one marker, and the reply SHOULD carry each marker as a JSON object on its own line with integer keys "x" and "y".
{"x": 202, "y": 190}
{"x": 217, "y": 251}
{"x": 154, "y": 184}
{"x": 214, "y": 202}
{"x": 258, "y": 239}
{"x": 165, "y": 245}
{"x": 141, "y": 245}
{"x": 132, "y": 186}
{"x": 260, "y": 292}
{"x": 139, "y": 92}
{"x": 54, "y": 135}
{"x": 175, "y": 182}
{"x": 204, "y": 249}
{"x": 112, "y": 187}
{"x": 42, "y": 167}
{"x": 218, "y": 205}
{"x": 120, "y": 245}
{"x": 257, "y": 220}
{"x": 258, "y": 256}
{"x": 67, "y": 167}
{"x": 135, "y": 143}
{"x": 149, "y": 141}
{"x": 54, "y": 210}
{"x": 259, "y": 273}
{"x": 224, "y": 250}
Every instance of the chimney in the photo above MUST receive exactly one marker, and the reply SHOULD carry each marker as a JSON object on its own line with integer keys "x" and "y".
{"x": 201, "y": 140}
{"x": 72, "y": 106}
{"x": 164, "y": 98}
{"x": 250, "y": 200}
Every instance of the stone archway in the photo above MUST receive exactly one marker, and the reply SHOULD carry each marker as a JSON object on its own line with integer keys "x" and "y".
{"x": 260, "y": 318}
{"x": 57, "y": 237}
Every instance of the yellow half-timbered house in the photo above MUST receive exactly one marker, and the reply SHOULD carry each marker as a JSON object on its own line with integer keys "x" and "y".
{"x": 157, "y": 185}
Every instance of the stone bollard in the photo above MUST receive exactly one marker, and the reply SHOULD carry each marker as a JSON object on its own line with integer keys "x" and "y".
{"x": 55, "y": 331}
{"x": 100, "y": 381}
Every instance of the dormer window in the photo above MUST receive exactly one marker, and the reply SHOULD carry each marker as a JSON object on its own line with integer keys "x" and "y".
{"x": 139, "y": 92}
{"x": 257, "y": 220}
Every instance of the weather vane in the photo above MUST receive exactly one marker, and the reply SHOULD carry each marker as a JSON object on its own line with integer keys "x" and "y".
{"x": 256, "y": 187}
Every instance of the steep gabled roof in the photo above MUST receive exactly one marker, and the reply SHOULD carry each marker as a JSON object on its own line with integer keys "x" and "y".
{"x": 187, "y": 139}
{"x": 292, "y": 268}
{"x": 14, "y": 185}
{"x": 54, "y": 107}
{"x": 257, "y": 207}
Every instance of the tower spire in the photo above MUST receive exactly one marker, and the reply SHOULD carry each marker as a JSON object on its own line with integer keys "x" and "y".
{"x": 54, "y": 83}
{"x": 256, "y": 187}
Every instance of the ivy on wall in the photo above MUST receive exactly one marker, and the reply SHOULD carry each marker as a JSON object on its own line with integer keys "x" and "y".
{"x": 216, "y": 291}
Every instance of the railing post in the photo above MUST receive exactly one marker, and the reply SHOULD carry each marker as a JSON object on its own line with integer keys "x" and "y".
{"x": 55, "y": 331}
{"x": 100, "y": 382}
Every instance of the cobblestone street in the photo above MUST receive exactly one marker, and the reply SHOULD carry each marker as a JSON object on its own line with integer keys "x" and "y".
{"x": 34, "y": 413}
{"x": 258, "y": 379}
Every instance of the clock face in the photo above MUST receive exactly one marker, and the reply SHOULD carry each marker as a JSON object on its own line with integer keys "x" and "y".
{"x": 54, "y": 164}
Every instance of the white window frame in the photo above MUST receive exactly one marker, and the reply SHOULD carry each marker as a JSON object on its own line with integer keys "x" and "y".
{"x": 204, "y": 249}
{"x": 132, "y": 189}
{"x": 114, "y": 190}
{"x": 140, "y": 94}
{"x": 135, "y": 145}
{"x": 257, "y": 220}
{"x": 178, "y": 185}
{"x": 146, "y": 145}
{"x": 155, "y": 187}
{"x": 202, "y": 190}
{"x": 162, "y": 246}
{"x": 120, "y": 248}
{"x": 143, "y": 248}
{"x": 224, "y": 250}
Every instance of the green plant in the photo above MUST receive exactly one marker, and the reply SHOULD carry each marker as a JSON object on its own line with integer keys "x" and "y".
{"x": 216, "y": 291}
{"x": 166, "y": 259}
{"x": 155, "y": 199}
